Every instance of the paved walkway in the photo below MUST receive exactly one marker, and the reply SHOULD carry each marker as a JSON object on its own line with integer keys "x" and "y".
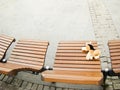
{"x": 56, "y": 20}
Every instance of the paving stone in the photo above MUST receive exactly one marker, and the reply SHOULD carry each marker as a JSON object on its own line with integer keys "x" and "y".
{"x": 29, "y": 85}
{"x": 110, "y": 87}
{"x": 0, "y": 83}
{"x": 52, "y": 88}
{"x": 65, "y": 89}
{"x": 5, "y": 78}
{"x": 109, "y": 82}
{"x": 17, "y": 82}
{"x": 115, "y": 77}
{"x": 20, "y": 88}
{"x": 58, "y": 88}
{"x": 2, "y": 76}
{"x": 34, "y": 86}
{"x": 10, "y": 79}
{"x": 46, "y": 88}
{"x": 117, "y": 81}
{"x": 70, "y": 89}
{"x": 116, "y": 86}
{"x": 11, "y": 87}
{"x": 24, "y": 84}
{"x": 40, "y": 87}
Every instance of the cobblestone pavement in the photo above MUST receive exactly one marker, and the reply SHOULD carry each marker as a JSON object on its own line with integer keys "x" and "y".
{"x": 104, "y": 30}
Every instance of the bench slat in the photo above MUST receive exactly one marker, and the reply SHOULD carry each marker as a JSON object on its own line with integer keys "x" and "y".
{"x": 74, "y": 77}
{"x": 5, "y": 42}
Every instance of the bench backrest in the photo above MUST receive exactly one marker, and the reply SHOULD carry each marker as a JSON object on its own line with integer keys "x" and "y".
{"x": 70, "y": 56}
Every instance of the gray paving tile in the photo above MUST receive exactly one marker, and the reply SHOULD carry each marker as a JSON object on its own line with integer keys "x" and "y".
{"x": 46, "y": 88}
{"x": 116, "y": 86}
{"x": 29, "y": 85}
{"x": 17, "y": 82}
{"x": 40, "y": 87}
{"x": 24, "y": 84}
{"x": 34, "y": 86}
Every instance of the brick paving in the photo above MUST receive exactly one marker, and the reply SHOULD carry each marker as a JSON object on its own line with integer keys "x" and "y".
{"x": 16, "y": 83}
{"x": 104, "y": 30}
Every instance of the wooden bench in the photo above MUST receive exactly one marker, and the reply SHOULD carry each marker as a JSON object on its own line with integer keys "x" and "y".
{"x": 71, "y": 65}
{"x": 26, "y": 55}
{"x": 114, "y": 48}
{"x": 5, "y": 42}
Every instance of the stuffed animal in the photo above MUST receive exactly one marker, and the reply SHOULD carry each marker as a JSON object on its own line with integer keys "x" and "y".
{"x": 91, "y": 52}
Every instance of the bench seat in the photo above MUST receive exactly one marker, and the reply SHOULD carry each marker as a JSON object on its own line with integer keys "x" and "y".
{"x": 71, "y": 66}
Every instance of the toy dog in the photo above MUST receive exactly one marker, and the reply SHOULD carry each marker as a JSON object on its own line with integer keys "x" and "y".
{"x": 91, "y": 52}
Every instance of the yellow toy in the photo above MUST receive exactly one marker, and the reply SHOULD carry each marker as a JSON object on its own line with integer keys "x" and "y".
{"x": 91, "y": 52}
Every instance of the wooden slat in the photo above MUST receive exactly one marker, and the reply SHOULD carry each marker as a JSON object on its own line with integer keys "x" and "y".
{"x": 73, "y": 77}
{"x": 69, "y": 54}
{"x": 26, "y": 61}
{"x": 30, "y": 48}
{"x": 29, "y": 51}
{"x": 114, "y": 47}
{"x": 76, "y": 66}
{"x": 27, "y": 55}
{"x": 78, "y": 70}
{"x": 27, "y": 58}
{"x": 5, "y": 42}
{"x": 5, "y": 36}
{"x": 78, "y": 62}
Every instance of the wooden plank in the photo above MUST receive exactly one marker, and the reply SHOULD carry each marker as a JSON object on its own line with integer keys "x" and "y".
{"x": 25, "y": 65}
{"x": 77, "y": 66}
{"x": 28, "y": 58}
{"x": 3, "y": 44}
{"x": 78, "y": 62}
{"x": 29, "y": 51}
{"x": 33, "y": 49}
{"x": 27, "y": 55}
{"x": 2, "y": 47}
{"x": 33, "y": 41}
{"x": 31, "y": 46}
{"x": 6, "y": 37}
{"x": 27, "y": 61}
{"x": 81, "y": 78}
